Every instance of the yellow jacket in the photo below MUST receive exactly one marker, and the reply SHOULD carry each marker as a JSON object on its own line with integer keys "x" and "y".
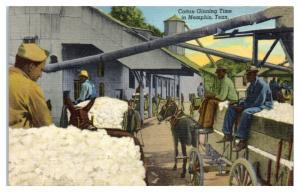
{"x": 27, "y": 105}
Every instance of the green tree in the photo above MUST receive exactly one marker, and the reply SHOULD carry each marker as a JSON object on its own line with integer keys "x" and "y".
{"x": 132, "y": 16}
{"x": 234, "y": 67}
{"x": 154, "y": 30}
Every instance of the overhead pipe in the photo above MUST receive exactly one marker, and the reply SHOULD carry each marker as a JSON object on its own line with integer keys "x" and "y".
{"x": 249, "y": 19}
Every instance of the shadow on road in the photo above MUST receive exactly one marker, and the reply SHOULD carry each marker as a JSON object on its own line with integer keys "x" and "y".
{"x": 159, "y": 170}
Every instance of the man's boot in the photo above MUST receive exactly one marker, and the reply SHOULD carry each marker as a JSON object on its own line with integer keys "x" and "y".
{"x": 241, "y": 145}
{"x": 226, "y": 138}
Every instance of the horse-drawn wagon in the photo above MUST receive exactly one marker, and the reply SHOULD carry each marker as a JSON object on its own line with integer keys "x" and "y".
{"x": 79, "y": 118}
{"x": 267, "y": 160}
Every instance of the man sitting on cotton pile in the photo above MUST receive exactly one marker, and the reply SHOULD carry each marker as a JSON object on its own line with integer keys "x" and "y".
{"x": 27, "y": 105}
{"x": 259, "y": 97}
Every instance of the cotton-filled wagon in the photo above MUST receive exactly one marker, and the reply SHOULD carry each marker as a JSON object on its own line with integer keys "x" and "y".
{"x": 81, "y": 154}
{"x": 267, "y": 160}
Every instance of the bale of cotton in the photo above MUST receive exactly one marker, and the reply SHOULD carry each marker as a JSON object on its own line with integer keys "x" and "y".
{"x": 281, "y": 112}
{"x": 107, "y": 112}
{"x": 57, "y": 156}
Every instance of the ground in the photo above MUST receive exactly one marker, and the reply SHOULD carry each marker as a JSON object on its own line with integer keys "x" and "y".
{"x": 159, "y": 157}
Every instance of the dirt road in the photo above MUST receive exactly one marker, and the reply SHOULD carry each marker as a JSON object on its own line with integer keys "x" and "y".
{"x": 158, "y": 149}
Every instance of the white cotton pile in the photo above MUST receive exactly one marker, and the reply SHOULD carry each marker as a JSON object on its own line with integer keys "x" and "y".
{"x": 57, "y": 156}
{"x": 281, "y": 112}
{"x": 223, "y": 105}
{"x": 107, "y": 112}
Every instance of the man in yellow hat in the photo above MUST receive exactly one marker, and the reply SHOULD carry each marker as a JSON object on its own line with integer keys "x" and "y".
{"x": 88, "y": 90}
{"x": 27, "y": 105}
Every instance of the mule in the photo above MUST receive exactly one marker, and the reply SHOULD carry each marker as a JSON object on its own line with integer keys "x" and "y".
{"x": 183, "y": 129}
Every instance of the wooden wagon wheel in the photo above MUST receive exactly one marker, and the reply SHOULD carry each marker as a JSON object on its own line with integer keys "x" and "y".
{"x": 242, "y": 173}
{"x": 196, "y": 168}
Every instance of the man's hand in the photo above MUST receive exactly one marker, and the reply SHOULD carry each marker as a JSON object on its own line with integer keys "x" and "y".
{"x": 49, "y": 105}
{"x": 209, "y": 95}
{"x": 238, "y": 108}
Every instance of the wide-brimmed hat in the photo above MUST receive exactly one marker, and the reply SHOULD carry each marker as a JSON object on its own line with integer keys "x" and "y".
{"x": 252, "y": 69}
{"x": 221, "y": 68}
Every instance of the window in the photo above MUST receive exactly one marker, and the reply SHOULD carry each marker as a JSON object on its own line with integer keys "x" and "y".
{"x": 101, "y": 89}
{"x": 53, "y": 59}
{"x": 77, "y": 88}
{"x": 100, "y": 70}
{"x": 131, "y": 80}
{"x": 30, "y": 39}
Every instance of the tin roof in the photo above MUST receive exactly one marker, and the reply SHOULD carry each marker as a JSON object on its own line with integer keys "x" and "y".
{"x": 174, "y": 18}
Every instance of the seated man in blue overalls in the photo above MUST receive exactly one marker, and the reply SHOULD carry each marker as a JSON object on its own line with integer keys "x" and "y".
{"x": 258, "y": 97}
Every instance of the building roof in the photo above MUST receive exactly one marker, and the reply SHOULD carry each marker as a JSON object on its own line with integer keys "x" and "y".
{"x": 209, "y": 70}
{"x": 174, "y": 18}
{"x": 183, "y": 59}
{"x": 188, "y": 63}
{"x": 274, "y": 73}
{"x": 266, "y": 72}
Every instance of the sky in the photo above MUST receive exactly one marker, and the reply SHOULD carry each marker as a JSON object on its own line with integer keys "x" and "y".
{"x": 238, "y": 46}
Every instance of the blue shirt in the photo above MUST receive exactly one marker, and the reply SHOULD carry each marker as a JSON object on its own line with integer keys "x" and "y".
{"x": 259, "y": 95}
{"x": 86, "y": 91}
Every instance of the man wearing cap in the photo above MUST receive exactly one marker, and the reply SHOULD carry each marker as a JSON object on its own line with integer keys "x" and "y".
{"x": 27, "y": 105}
{"x": 209, "y": 105}
{"x": 258, "y": 97}
{"x": 88, "y": 89}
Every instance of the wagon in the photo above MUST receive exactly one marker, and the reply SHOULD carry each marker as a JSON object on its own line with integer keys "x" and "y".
{"x": 267, "y": 160}
{"x": 79, "y": 118}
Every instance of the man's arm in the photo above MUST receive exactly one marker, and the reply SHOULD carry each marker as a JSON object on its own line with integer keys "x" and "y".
{"x": 260, "y": 94}
{"x": 38, "y": 108}
{"x": 83, "y": 92}
{"x": 223, "y": 92}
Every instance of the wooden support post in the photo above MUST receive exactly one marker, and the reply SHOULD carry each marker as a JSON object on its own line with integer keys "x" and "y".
{"x": 179, "y": 91}
{"x": 269, "y": 172}
{"x": 255, "y": 50}
{"x": 291, "y": 178}
{"x": 290, "y": 148}
{"x": 167, "y": 88}
{"x": 156, "y": 89}
{"x": 161, "y": 87}
{"x": 169, "y": 83}
{"x": 174, "y": 88}
{"x": 142, "y": 95}
{"x": 150, "y": 97}
{"x": 278, "y": 159}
